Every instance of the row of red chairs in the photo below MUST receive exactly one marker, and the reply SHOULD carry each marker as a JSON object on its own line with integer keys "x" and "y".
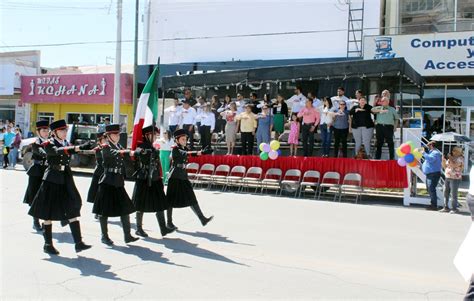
{"x": 293, "y": 180}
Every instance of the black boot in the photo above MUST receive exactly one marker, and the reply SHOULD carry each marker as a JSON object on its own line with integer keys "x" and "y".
{"x": 105, "y": 233}
{"x": 76, "y": 235}
{"x": 140, "y": 231}
{"x": 169, "y": 215}
{"x": 125, "y": 219}
{"x": 160, "y": 216}
{"x": 36, "y": 224}
{"x": 48, "y": 240}
{"x": 197, "y": 210}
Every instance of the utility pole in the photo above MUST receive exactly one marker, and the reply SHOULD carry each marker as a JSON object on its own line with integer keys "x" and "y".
{"x": 135, "y": 58}
{"x": 118, "y": 56}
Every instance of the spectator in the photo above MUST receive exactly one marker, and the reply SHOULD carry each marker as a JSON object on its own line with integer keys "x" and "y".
{"x": 248, "y": 124}
{"x": 293, "y": 137}
{"x": 208, "y": 123}
{"x": 175, "y": 114}
{"x": 340, "y": 128}
{"x": 231, "y": 127}
{"x": 199, "y": 109}
{"x": 255, "y": 103}
{"x": 377, "y": 101}
{"x": 387, "y": 119}
{"x": 326, "y": 125}
{"x": 215, "y": 105}
{"x": 265, "y": 125}
{"x": 358, "y": 96}
{"x": 361, "y": 154}
{"x": 240, "y": 103}
{"x": 297, "y": 101}
{"x": 280, "y": 114}
{"x": 2, "y": 133}
{"x": 188, "y": 118}
{"x": 188, "y": 97}
{"x": 267, "y": 100}
{"x": 316, "y": 101}
{"x": 453, "y": 168}
{"x": 391, "y": 102}
{"x": 362, "y": 124}
{"x": 340, "y": 97}
{"x": 311, "y": 120}
{"x": 432, "y": 169}
{"x": 2, "y": 149}
{"x": 220, "y": 118}
{"x": 13, "y": 155}
{"x": 8, "y": 138}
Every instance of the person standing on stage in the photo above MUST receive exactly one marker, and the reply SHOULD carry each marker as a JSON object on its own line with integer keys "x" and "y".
{"x": 231, "y": 127}
{"x": 180, "y": 191}
{"x": 99, "y": 167}
{"x": 311, "y": 120}
{"x": 208, "y": 123}
{"x": 248, "y": 124}
{"x": 340, "y": 97}
{"x": 188, "y": 119}
{"x": 174, "y": 117}
{"x": 297, "y": 101}
{"x": 148, "y": 194}
{"x": 112, "y": 199}
{"x": 340, "y": 128}
{"x": 36, "y": 171}
{"x": 387, "y": 121}
{"x": 265, "y": 125}
{"x": 280, "y": 115}
{"x": 57, "y": 198}
{"x": 362, "y": 124}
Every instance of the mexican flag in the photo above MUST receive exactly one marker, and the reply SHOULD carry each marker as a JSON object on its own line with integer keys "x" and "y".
{"x": 147, "y": 108}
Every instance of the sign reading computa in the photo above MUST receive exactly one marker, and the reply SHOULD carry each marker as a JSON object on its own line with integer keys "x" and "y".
{"x": 78, "y": 88}
{"x": 435, "y": 54}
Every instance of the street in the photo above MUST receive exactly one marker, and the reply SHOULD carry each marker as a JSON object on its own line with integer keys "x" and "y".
{"x": 259, "y": 247}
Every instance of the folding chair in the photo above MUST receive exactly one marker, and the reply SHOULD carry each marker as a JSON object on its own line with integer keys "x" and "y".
{"x": 205, "y": 173}
{"x": 253, "y": 176}
{"x": 352, "y": 182}
{"x": 235, "y": 177}
{"x": 291, "y": 178}
{"x": 192, "y": 169}
{"x": 220, "y": 175}
{"x": 272, "y": 178}
{"x": 311, "y": 178}
{"x": 330, "y": 179}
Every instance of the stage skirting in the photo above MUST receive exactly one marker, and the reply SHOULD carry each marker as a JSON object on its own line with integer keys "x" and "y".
{"x": 375, "y": 173}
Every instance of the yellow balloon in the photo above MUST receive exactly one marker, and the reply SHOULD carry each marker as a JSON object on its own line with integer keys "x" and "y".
{"x": 274, "y": 145}
{"x": 399, "y": 153}
{"x": 417, "y": 155}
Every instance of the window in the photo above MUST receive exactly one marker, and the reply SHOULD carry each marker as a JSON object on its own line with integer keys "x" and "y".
{"x": 45, "y": 116}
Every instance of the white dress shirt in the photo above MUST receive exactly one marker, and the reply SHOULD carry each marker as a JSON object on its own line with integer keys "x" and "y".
{"x": 337, "y": 99}
{"x": 297, "y": 102}
{"x": 188, "y": 116}
{"x": 325, "y": 117}
{"x": 240, "y": 106}
{"x": 207, "y": 119}
{"x": 174, "y": 117}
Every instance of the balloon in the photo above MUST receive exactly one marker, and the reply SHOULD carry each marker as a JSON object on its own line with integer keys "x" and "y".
{"x": 279, "y": 152}
{"x": 405, "y": 148}
{"x": 399, "y": 153}
{"x": 263, "y": 156}
{"x": 273, "y": 155}
{"x": 413, "y": 164}
{"x": 266, "y": 148}
{"x": 411, "y": 144}
{"x": 274, "y": 145}
{"x": 417, "y": 154}
{"x": 401, "y": 162}
{"x": 409, "y": 158}
{"x": 260, "y": 147}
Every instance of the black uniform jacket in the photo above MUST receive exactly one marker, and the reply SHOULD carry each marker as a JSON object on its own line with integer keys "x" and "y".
{"x": 113, "y": 157}
{"x": 39, "y": 157}
{"x": 179, "y": 155}
{"x": 58, "y": 157}
{"x": 149, "y": 154}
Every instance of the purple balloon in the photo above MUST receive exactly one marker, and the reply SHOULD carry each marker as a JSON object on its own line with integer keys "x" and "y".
{"x": 279, "y": 152}
{"x": 402, "y": 162}
{"x": 266, "y": 148}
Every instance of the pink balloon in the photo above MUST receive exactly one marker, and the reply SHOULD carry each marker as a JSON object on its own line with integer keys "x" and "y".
{"x": 273, "y": 154}
{"x": 402, "y": 162}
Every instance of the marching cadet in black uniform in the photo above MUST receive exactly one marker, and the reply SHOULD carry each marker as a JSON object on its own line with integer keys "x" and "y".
{"x": 36, "y": 171}
{"x": 149, "y": 194}
{"x": 180, "y": 192}
{"x": 99, "y": 169}
{"x": 112, "y": 200}
{"x": 57, "y": 198}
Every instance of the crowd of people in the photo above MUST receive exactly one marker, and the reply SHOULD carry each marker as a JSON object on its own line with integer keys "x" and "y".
{"x": 295, "y": 120}
{"x": 10, "y": 140}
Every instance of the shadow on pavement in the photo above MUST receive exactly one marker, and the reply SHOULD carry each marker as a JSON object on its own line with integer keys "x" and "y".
{"x": 213, "y": 237}
{"x": 145, "y": 254}
{"x": 178, "y": 245}
{"x": 88, "y": 267}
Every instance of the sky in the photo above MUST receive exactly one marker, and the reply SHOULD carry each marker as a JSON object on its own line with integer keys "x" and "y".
{"x": 39, "y": 22}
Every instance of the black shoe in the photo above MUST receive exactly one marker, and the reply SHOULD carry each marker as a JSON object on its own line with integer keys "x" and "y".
{"x": 81, "y": 246}
{"x": 171, "y": 226}
{"x": 96, "y": 216}
{"x": 206, "y": 220}
{"x": 49, "y": 249}
{"x": 166, "y": 231}
{"x": 106, "y": 240}
{"x": 37, "y": 226}
{"x": 141, "y": 233}
{"x": 432, "y": 208}
{"x": 64, "y": 223}
{"x": 130, "y": 238}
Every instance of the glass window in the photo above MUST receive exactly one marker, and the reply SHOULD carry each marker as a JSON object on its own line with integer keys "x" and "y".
{"x": 426, "y": 16}
{"x": 460, "y": 96}
{"x": 434, "y": 96}
{"x": 45, "y": 116}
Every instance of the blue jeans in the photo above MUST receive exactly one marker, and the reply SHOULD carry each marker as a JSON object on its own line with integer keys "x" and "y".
{"x": 12, "y": 156}
{"x": 263, "y": 135}
{"x": 326, "y": 136}
{"x": 432, "y": 180}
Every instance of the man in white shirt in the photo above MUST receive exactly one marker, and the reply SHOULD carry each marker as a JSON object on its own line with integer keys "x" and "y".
{"x": 297, "y": 101}
{"x": 316, "y": 101}
{"x": 240, "y": 103}
{"x": 174, "y": 117}
{"x": 341, "y": 97}
{"x": 208, "y": 123}
{"x": 188, "y": 119}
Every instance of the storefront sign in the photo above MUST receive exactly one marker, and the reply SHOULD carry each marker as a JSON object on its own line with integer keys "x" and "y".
{"x": 76, "y": 88}
{"x": 10, "y": 77}
{"x": 434, "y": 54}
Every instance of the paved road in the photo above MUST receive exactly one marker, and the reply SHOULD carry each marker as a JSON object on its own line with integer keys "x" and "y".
{"x": 257, "y": 247}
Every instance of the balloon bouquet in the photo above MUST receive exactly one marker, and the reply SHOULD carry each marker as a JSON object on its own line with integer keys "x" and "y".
{"x": 408, "y": 154}
{"x": 270, "y": 151}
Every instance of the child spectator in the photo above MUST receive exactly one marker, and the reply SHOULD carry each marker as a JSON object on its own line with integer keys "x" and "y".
{"x": 293, "y": 137}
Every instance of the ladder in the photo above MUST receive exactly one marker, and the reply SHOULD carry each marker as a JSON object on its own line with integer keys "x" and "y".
{"x": 355, "y": 28}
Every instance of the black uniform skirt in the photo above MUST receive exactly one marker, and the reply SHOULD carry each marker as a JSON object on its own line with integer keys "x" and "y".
{"x": 180, "y": 193}
{"x": 94, "y": 184}
{"x": 112, "y": 201}
{"x": 149, "y": 198}
{"x": 57, "y": 202}
{"x": 34, "y": 184}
